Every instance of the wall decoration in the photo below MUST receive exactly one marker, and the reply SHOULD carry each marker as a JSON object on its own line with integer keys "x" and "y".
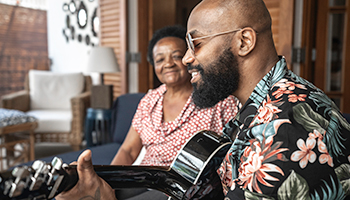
{"x": 82, "y": 15}
{"x": 87, "y": 40}
{"x": 72, "y": 30}
{"x": 65, "y": 7}
{"x": 72, "y": 7}
{"x": 95, "y": 23}
{"x": 80, "y": 24}
{"x": 67, "y": 21}
{"x": 65, "y": 35}
{"x": 80, "y": 38}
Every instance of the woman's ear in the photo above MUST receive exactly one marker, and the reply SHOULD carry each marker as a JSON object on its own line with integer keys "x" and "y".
{"x": 248, "y": 40}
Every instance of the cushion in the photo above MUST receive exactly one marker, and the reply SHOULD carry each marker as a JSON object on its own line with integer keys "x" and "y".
{"x": 123, "y": 110}
{"x": 51, "y": 90}
{"x": 10, "y": 117}
{"x": 52, "y": 120}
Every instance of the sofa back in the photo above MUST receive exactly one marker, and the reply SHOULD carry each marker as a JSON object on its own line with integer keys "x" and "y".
{"x": 123, "y": 110}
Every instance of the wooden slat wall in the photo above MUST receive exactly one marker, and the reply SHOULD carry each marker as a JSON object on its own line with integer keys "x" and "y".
{"x": 282, "y": 14}
{"x": 274, "y": 9}
{"x": 23, "y": 45}
{"x": 113, "y": 34}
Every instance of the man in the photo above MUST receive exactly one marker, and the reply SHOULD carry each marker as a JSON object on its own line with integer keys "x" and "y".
{"x": 290, "y": 138}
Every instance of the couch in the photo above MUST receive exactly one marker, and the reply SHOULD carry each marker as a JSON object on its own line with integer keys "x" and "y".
{"x": 59, "y": 102}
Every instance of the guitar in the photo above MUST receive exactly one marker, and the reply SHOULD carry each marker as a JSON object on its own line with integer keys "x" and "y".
{"x": 192, "y": 175}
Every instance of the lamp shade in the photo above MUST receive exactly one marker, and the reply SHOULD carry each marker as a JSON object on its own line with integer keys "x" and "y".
{"x": 102, "y": 60}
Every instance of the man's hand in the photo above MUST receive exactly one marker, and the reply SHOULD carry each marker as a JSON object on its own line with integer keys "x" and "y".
{"x": 90, "y": 186}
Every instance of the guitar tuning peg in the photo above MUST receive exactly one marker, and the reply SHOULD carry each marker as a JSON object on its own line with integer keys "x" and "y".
{"x": 57, "y": 163}
{"x": 65, "y": 166}
{"x": 19, "y": 173}
{"x": 41, "y": 172}
{"x": 38, "y": 164}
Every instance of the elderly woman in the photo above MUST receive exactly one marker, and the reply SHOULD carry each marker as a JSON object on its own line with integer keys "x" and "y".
{"x": 166, "y": 117}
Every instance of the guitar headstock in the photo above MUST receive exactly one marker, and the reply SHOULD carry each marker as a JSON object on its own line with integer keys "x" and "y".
{"x": 39, "y": 181}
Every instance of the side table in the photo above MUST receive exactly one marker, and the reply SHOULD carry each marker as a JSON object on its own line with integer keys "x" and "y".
{"x": 16, "y": 128}
{"x": 97, "y": 126}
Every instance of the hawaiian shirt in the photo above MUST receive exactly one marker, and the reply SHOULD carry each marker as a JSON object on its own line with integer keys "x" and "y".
{"x": 292, "y": 142}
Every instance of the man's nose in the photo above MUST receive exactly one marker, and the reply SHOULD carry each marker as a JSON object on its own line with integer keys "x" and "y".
{"x": 188, "y": 58}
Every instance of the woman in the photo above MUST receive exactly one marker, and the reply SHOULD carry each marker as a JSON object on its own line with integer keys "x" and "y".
{"x": 165, "y": 118}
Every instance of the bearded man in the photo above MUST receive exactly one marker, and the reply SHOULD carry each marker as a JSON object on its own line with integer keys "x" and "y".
{"x": 291, "y": 139}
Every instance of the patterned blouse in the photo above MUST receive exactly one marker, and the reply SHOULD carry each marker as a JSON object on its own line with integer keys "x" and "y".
{"x": 292, "y": 143}
{"x": 164, "y": 139}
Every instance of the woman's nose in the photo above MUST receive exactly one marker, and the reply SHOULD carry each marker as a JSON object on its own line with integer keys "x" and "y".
{"x": 188, "y": 58}
{"x": 169, "y": 62}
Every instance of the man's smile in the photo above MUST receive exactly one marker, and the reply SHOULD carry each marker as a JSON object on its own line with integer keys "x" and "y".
{"x": 195, "y": 75}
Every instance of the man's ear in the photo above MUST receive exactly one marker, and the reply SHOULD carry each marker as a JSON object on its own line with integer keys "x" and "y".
{"x": 248, "y": 40}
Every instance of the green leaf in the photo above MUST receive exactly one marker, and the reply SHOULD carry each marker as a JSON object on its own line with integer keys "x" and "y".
{"x": 308, "y": 118}
{"x": 255, "y": 196}
{"x": 341, "y": 119}
{"x": 343, "y": 172}
{"x": 346, "y": 186}
{"x": 294, "y": 187}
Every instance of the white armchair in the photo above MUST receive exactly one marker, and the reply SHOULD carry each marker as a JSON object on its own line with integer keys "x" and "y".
{"x": 58, "y": 101}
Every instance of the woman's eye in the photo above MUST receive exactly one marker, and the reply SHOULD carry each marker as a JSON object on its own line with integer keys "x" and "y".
{"x": 178, "y": 57}
{"x": 159, "y": 60}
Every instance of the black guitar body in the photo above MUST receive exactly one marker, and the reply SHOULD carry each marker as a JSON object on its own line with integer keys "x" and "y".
{"x": 192, "y": 175}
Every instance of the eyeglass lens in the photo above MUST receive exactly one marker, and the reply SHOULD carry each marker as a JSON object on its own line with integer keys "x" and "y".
{"x": 190, "y": 42}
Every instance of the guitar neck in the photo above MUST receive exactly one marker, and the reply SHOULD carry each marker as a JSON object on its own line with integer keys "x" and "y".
{"x": 192, "y": 174}
{"x": 159, "y": 178}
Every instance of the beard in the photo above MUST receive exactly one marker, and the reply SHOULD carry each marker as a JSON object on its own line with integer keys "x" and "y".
{"x": 218, "y": 82}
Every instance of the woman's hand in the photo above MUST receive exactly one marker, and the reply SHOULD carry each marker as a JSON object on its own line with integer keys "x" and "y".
{"x": 90, "y": 186}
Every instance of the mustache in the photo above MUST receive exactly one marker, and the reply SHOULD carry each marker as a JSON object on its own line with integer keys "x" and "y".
{"x": 197, "y": 67}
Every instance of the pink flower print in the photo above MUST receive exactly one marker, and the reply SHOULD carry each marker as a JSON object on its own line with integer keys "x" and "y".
{"x": 294, "y": 98}
{"x": 225, "y": 172}
{"x": 305, "y": 154}
{"x": 254, "y": 168}
{"x": 324, "y": 157}
{"x": 316, "y": 134}
{"x": 282, "y": 83}
{"x": 267, "y": 111}
{"x": 280, "y": 91}
{"x": 292, "y": 85}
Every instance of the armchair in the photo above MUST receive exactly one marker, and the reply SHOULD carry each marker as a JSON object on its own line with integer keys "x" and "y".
{"x": 58, "y": 101}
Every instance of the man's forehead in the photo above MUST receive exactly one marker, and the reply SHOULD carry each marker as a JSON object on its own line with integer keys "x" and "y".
{"x": 206, "y": 18}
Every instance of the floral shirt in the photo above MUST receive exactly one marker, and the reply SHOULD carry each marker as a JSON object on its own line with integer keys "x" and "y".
{"x": 164, "y": 139}
{"x": 292, "y": 143}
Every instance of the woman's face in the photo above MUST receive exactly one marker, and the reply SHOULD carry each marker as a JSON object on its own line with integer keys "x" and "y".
{"x": 167, "y": 56}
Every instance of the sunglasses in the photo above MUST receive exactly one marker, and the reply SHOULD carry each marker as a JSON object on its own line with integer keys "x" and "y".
{"x": 190, "y": 40}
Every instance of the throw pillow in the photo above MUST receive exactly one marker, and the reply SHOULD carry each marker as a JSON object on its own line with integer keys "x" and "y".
{"x": 10, "y": 117}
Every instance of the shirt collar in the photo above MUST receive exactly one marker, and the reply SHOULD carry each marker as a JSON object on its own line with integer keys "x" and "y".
{"x": 249, "y": 109}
